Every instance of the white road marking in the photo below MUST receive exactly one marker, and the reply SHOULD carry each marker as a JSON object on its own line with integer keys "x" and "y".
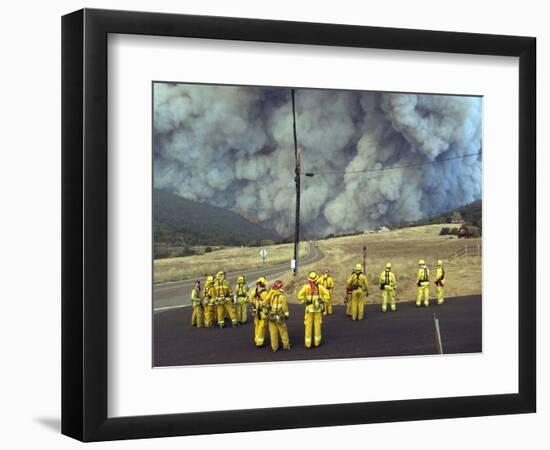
{"x": 164, "y": 308}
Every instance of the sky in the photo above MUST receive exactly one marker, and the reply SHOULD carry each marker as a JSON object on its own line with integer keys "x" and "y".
{"x": 378, "y": 158}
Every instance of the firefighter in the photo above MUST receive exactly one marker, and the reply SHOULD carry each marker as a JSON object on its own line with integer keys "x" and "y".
{"x": 423, "y": 284}
{"x": 357, "y": 286}
{"x": 314, "y": 297}
{"x": 208, "y": 302}
{"x": 223, "y": 296}
{"x": 440, "y": 281}
{"x": 387, "y": 287}
{"x": 277, "y": 316}
{"x": 241, "y": 299}
{"x": 327, "y": 282}
{"x": 196, "y": 301}
{"x": 259, "y": 297}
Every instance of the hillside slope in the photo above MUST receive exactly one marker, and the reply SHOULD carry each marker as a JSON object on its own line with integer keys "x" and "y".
{"x": 470, "y": 213}
{"x": 182, "y": 222}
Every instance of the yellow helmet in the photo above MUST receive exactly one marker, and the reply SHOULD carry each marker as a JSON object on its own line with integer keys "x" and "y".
{"x": 421, "y": 262}
{"x": 240, "y": 279}
{"x": 388, "y": 265}
{"x": 439, "y": 262}
{"x": 358, "y": 268}
{"x": 262, "y": 281}
{"x": 220, "y": 274}
{"x": 312, "y": 276}
{"x": 208, "y": 282}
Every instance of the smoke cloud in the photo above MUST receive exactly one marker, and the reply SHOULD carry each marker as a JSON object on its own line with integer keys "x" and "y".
{"x": 233, "y": 147}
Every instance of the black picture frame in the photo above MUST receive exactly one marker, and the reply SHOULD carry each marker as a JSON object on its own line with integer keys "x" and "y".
{"x": 84, "y": 224}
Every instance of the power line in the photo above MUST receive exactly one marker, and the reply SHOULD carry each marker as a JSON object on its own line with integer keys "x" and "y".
{"x": 310, "y": 174}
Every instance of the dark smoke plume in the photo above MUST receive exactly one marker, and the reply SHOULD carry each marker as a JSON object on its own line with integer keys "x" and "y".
{"x": 232, "y": 147}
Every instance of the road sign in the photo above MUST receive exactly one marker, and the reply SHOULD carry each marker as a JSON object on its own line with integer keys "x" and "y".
{"x": 263, "y": 254}
{"x": 292, "y": 263}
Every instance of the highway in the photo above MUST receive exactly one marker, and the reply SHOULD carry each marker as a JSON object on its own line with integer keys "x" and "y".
{"x": 408, "y": 331}
{"x": 177, "y": 294}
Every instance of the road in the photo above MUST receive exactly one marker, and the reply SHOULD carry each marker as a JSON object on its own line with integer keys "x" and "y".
{"x": 177, "y": 294}
{"x": 408, "y": 331}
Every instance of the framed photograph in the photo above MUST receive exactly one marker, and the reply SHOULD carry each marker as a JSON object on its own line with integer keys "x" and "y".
{"x": 273, "y": 224}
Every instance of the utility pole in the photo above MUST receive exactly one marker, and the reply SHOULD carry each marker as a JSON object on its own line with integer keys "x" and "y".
{"x": 297, "y": 181}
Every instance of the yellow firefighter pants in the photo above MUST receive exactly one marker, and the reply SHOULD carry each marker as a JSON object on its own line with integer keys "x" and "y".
{"x": 241, "y": 311}
{"x": 357, "y": 304}
{"x": 222, "y": 309}
{"x": 209, "y": 313}
{"x": 312, "y": 322}
{"x": 385, "y": 294}
{"x": 423, "y": 291}
{"x": 440, "y": 298}
{"x": 276, "y": 331}
{"x": 196, "y": 318}
{"x": 259, "y": 331}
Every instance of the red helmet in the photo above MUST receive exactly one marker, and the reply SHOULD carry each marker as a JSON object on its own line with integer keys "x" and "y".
{"x": 325, "y": 271}
{"x": 278, "y": 284}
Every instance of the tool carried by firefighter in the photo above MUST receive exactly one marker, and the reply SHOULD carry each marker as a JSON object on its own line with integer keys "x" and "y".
{"x": 314, "y": 297}
{"x": 259, "y": 310}
{"x": 423, "y": 284}
{"x": 440, "y": 281}
{"x": 278, "y": 314}
{"x": 357, "y": 287}
{"x": 387, "y": 288}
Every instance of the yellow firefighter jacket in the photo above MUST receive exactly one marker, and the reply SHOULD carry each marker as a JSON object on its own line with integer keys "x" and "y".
{"x": 241, "y": 292}
{"x": 387, "y": 280}
{"x": 327, "y": 282}
{"x": 196, "y": 297}
{"x": 357, "y": 281}
{"x": 259, "y": 298}
{"x": 277, "y": 305}
{"x": 423, "y": 276}
{"x": 313, "y": 299}
{"x": 207, "y": 294}
{"x": 221, "y": 289}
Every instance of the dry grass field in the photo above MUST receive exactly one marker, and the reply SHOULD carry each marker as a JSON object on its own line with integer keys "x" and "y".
{"x": 402, "y": 248}
{"x": 229, "y": 259}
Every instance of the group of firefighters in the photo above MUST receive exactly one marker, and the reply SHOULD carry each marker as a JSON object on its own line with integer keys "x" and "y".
{"x": 217, "y": 300}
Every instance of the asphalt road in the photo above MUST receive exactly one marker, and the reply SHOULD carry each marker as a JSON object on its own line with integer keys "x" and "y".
{"x": 177, "y": 294}
{"x": 408, "y": 331}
